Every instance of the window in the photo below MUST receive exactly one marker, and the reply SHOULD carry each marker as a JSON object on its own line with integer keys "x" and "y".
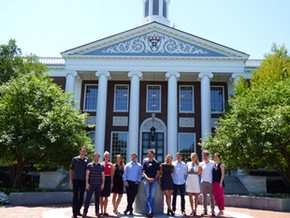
{"x": 91, "y": 97}
{"x": 186, "y": 145}
{"x": 186, "y": 103}
{"x": 155, "y": 7}
{"x": 121, "y": 98}
{"x": 119, "y": 143}
{"x": 153, "y": 98}
{"x": 157, "y": 145}
{"x": 164, "y": 8}
{"x": 217, "y": 99}
{"x": 146, "y": 8}
{"x": 92, "y": 136}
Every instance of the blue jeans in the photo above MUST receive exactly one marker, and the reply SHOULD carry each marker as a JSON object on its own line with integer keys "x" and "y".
{"x": 150, "y": 189}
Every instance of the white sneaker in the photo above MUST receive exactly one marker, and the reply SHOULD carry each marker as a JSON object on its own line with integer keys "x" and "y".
{"x": 220, "y": 213}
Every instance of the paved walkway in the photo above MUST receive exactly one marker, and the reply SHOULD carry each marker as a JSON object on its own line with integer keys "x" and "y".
{"x": 64, "y": 211}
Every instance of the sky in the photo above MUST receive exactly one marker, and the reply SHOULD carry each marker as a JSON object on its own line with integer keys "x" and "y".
{"x": 48, "y": 27}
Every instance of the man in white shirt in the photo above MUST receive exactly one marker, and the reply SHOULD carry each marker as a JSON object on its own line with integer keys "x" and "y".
{"x": 179, "y": 173}
{"x": 206, "y": 182}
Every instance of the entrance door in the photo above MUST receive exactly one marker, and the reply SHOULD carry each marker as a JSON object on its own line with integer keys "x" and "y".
{"x": 157, "y": 145}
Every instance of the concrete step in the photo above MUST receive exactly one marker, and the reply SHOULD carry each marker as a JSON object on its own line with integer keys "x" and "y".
{"x": 234, "y": 186}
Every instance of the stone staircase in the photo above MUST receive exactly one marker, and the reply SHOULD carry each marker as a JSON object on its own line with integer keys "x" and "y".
{"x": 234, "y": 186}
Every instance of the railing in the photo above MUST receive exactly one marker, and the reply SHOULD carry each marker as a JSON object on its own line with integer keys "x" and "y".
{"x": 253, "y": 63}
{"x": 51, "y": 60}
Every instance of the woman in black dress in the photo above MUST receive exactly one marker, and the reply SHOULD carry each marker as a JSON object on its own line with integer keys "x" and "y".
{"x": 117, "y": 183}
{"x": 166, "y": 182}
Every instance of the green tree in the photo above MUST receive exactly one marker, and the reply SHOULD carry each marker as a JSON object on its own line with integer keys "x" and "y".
{"x": 10, "y": 61}
{"x": 256, "y": 132}
{"x": 38, "y": 125}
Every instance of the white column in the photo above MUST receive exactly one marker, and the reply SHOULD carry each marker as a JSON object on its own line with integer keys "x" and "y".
{"x": 231, "y": 83}
{"x": 150, "y": 12}
{"x": 160, "y": 8}
{"x": 101, "y": 111}
{"x": 235, "y": 76}
{"x": 205, "y": 103}
{"x": 77, "y": 92}
{"x": 134, "y": 113}
{"x": 70, "y": 82}
{"x": 172, "y": 123}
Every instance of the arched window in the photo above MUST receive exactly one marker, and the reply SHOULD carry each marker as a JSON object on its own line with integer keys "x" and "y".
{"x": 164, "y": 8}
{"x": 155, "y": 7}
{"x": 146, "y": 8}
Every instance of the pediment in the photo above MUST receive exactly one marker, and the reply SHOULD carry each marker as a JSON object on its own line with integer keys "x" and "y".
{"x": 154, "y": 40}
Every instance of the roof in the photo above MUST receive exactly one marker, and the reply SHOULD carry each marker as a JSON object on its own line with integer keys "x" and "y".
{"x": 153, "y": 39}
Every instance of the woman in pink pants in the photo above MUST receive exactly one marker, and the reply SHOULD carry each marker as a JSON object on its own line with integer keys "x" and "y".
{"x": 218, "y": 175}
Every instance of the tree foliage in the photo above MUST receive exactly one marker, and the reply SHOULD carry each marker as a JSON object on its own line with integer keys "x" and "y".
{"x": 10, "y": 61}
{"x": 256, "y": 132}
{"x": 38, "y": 125}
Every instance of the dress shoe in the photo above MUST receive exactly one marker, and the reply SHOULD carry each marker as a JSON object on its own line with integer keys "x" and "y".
{"x": 150, "y": 214}
{"x": 126, "y": 211}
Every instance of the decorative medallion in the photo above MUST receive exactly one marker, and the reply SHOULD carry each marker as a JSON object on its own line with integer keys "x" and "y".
{"x": 120, "y": 121}
{"x": 186, "y": 122}
{"x": 154, "y": 42}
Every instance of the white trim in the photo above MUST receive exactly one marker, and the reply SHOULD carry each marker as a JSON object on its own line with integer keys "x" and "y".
{"x": 84, "y": 103}
{"x": 114, "y": 109}
{"x": 186, "y": 112}
{"x": 151, "y": 111}
{"x": 187, "y": 133}
{"x": 218, "y": 112}
{"x": 111, "y": 145}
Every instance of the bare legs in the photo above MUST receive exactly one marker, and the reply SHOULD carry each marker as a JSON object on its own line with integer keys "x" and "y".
{"x": 116, "y": 201}
{"x": 103, "y": 204}
{"x": 168, "y": 194}
{"x": 190, "y": 196}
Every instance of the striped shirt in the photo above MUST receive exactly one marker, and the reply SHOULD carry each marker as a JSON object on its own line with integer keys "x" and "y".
{"x": 95, "y": 177}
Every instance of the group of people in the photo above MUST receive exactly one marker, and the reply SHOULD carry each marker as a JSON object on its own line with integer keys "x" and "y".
{"x": 173, "y": 176}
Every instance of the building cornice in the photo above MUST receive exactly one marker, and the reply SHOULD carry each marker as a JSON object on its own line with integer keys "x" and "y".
{"x": 92, "y": 57}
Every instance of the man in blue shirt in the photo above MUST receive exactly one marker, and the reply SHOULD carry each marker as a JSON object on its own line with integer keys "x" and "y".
{"x": 180, "y": 170}
{"x": 151, "y": 173}
{"x": 132, "y": 178}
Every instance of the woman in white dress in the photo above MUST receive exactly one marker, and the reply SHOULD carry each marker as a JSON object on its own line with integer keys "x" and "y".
{"x": 192, "y": 182}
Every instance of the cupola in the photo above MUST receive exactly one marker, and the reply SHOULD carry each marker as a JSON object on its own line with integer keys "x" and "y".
{"x": 156, "y": 10}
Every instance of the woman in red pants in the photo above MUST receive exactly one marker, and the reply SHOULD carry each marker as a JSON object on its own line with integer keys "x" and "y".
{"x": 218, "y": 175}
